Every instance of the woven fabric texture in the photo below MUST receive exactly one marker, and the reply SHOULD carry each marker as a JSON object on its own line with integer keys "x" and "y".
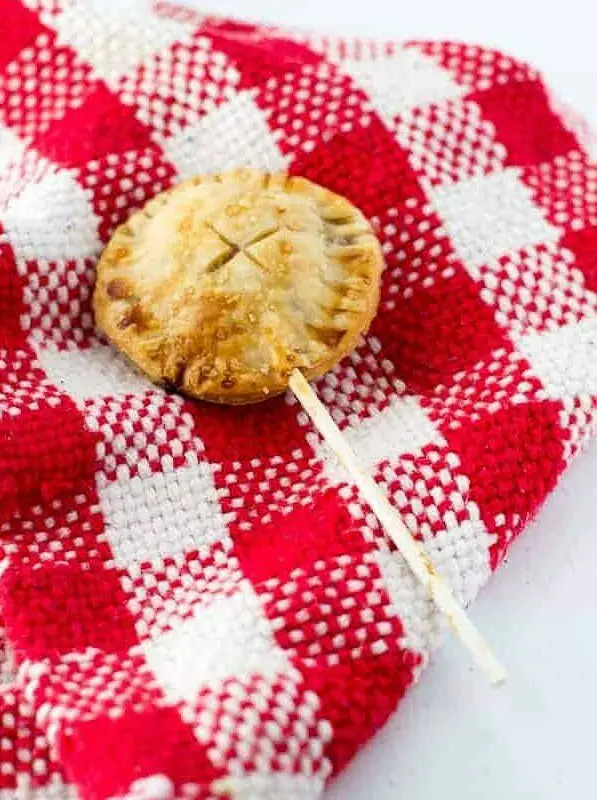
{"x": 195, "y": 603}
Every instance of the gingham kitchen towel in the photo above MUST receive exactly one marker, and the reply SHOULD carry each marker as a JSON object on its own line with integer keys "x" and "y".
{"x": 195, "y": 603}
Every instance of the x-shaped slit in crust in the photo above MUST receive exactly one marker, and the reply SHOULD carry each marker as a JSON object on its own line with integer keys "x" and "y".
{"x": 220, "y": 261}
{"x": 338, "y": 221}
{"x": 234, "y": 249}
{"x": 224, "y": 258}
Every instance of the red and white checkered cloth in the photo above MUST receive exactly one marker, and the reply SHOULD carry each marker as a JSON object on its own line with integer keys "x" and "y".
{"x": 195, "y": 603}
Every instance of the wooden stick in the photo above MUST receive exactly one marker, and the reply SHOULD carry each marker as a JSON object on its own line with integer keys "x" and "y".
{"x": 416, "y": 558}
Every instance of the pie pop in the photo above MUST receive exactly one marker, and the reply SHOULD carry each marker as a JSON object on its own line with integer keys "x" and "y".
{"x": 234, "y": 287}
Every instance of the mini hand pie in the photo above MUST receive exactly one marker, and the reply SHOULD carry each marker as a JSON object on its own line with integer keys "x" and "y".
{"x": 222, "y": 286}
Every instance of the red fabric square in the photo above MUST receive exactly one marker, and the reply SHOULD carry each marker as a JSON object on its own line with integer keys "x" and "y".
{"x": 61, "y": 607}
{"x": 525, "y": 123}
{"x": 247, "y": 432}
{"x": 321, "y": 529}
{"x": 437, "y": 332}
{"x": 11, "y": 296}
{"x": 513, "y": 459}
{"x": 20, "y": 27}
{"x": 379, "y": 176}
{"x": 256, "y": 56}
{"x": 128, "y": 745}
{"x": 359, "y": 696}
{"x": 101, "y": 125}
{"x": 583, "y": 244}
{"x": 44, "y": 453}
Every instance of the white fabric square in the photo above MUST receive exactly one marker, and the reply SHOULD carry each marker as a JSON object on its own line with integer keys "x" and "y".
{"x": 52, "y": 219}
{"x": 490, "y": 215}
{"x": 564, "y": 359}
{"x": 227, "y": 638}
{"x": 461, "y": 556}
{"x": 402, "y": 427}
{"x": 110, "y": 37}
{"x": 236, "y": 134}
{"x": 162, "y": 515}
{"x": 410, "y": 601}
{"x": 98, "y": 371}
{"x": 407, "y": 79}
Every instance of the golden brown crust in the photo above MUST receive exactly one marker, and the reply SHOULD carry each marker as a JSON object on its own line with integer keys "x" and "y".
{"x": 219, "y": 287}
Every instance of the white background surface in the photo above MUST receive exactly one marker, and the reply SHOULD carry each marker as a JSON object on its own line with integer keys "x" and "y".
{"x": 455, "y": 737}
